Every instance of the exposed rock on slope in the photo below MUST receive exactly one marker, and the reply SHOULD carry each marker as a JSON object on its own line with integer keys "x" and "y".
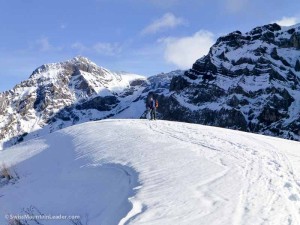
{"x": 247, "y": 81}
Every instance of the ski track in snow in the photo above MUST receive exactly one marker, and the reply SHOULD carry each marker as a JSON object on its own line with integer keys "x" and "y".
{"x": 269, "y": 185}
{"x": 169, "y": 173}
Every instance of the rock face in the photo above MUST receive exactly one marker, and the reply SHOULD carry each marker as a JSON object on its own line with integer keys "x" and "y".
{"x": 247, "y": 81}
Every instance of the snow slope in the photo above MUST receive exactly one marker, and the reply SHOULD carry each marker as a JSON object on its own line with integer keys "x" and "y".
{"x": 155, "y": 172}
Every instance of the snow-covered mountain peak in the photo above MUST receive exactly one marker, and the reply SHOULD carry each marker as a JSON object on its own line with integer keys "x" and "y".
{"x": 54, "y": 90}
{"x": 269, "y": 33}
{"x": 80, "y": 73}
{"x": 82, "y": 59}
{"x": 296, "y": 27}
{"x": 72, "y": 67}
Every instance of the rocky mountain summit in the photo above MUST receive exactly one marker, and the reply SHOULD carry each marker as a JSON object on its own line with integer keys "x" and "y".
{"x": 249, "y": 82}
{"x": 62, "y": 94}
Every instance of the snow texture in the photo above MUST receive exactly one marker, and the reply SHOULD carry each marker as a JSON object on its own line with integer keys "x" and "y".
{"x": 155, "y": 172}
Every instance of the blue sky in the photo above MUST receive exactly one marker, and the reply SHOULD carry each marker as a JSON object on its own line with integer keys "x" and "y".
{"x": 140, "y": 36}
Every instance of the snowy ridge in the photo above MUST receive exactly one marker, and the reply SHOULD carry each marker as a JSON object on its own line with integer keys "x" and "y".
{"x": 159, "y": 173}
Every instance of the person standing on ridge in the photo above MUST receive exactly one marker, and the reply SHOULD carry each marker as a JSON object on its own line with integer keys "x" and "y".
{"x": 152, "y": 106}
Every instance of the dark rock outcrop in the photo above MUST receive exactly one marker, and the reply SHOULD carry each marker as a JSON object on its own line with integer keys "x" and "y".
{"x": 100, "y": 103}
{"x": 246, "y": 81}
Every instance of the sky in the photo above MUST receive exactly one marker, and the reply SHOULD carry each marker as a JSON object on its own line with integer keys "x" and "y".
{"x": 146, "y": 37}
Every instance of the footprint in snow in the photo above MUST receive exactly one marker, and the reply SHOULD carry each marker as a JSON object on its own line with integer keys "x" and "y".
{"x": 287, "y": 185}
{"x": 294, "y": 197}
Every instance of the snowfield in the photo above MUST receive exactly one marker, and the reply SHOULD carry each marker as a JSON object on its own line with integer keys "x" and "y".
{"x": 154, "y": 172}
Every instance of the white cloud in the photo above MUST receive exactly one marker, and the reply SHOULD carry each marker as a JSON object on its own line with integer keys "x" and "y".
{"x": 102, "y": 48}
{"x": 183, "y": 52}
{"x": 44, "y": 44}
{"x": 235, "y": 6}
{"x": 167, "y": 21}
{"x": 79, "y": 46}
{"x": 287, "y": 21}
{"x": 63, "y": 26}
{"x": 107, "y": 48}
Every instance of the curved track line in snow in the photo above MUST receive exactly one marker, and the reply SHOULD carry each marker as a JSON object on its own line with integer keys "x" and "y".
{"x": 268, "y": 184}
{"x": 57, "y": 182}
{"x": 168, "y": 173}
{"x": 137, "y": 208}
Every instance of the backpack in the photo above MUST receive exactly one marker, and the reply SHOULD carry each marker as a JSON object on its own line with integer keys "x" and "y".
{"x": 156, "y": 104}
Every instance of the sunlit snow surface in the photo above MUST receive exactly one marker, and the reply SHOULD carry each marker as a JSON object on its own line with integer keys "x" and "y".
{"x": 155, "y": 172}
